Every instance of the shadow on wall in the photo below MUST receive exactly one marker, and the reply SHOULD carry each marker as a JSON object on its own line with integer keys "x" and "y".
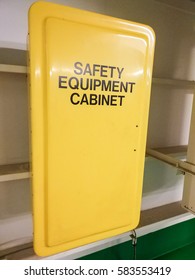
{"x": 15, "y": 198}
{"x": 169, "y": 117}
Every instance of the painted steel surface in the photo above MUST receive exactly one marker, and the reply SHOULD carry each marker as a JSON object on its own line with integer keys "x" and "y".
{"x": 90, "y": 79}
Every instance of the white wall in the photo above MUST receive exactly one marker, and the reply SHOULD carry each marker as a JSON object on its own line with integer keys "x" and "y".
{"x": 174, "y": 58}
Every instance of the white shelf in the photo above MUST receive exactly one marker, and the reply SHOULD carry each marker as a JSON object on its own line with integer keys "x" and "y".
{"x": 175, "y": 150}
{"x": 174, "y": 82}
{"x": 7, "y": 68}
{"x": 12, "y": 172}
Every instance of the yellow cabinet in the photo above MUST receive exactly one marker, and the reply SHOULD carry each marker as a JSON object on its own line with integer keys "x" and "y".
{"x": 90, "y": 79}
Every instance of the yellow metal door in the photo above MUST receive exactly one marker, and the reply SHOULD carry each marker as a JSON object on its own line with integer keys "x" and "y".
{"x": 90, "y": 79}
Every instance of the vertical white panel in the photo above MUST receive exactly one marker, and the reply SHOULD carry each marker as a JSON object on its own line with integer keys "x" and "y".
{"x": 188, "y": 200}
